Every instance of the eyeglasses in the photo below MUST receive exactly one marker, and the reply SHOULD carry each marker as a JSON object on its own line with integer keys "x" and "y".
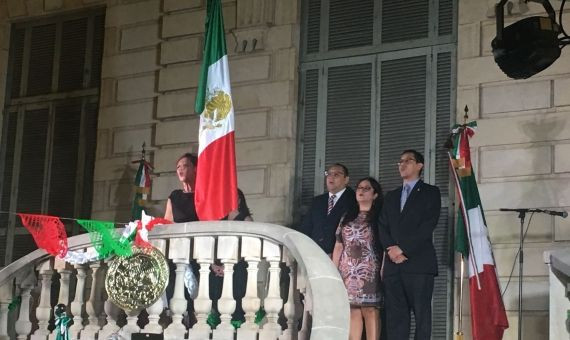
{"x": 364, "y": 189}
{"x": 406, "y": 161}
{"x": 334, "y": 174}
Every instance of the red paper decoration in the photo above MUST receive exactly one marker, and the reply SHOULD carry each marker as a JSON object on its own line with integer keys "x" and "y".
{"x": 48, "y": 233}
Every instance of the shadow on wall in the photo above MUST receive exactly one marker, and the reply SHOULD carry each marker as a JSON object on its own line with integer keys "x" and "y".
{"x": 123, "y": 196}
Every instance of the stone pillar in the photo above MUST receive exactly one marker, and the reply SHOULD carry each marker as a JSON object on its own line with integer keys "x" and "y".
{"x": 179, "y": 253}
{"x": 251, "y": 253}
{"x": 78, "y": 304}
{"x": 155, "y": 310}
{"x": 204, "y": 254}
{"x": 6, "y": 294}
{"x": 228, "y": 254}
{"x": 93, "y": 305}
{"x": 290, "y": 307}
{"x": 43, "y": 311}
{"x": 23, "y": 326}
{"x": 273, "y": 302}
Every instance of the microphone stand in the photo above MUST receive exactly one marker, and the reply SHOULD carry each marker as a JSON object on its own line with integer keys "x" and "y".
{"x": 522, "y": 215}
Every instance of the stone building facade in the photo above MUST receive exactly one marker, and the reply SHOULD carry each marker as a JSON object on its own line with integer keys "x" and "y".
{"x": 151, "y": 60}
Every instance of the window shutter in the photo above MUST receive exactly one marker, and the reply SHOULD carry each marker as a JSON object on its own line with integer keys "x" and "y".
{"x": 313, "y": 26}
{"x": 404, "y": 20}
{"x": 309, "y": 137}
{"x": 18, "y": 37}
{"x": 441, "y": 300}
{"x": 64, "y": 157}
{"x": 6, "y": 168}
{"x": 402, "y": 114}
{"x": 348, "y": 118}
{"x": 30, "y": 183}
{"x": 443, "y": 121}
{"x": 41, "y": 60}
{"x": 90, "y": 135}
{"x": 97, "y": 54}
{"x": 351, "y": 23}
{"x": 445, "y": 22}
{"x": 72, "y": 57}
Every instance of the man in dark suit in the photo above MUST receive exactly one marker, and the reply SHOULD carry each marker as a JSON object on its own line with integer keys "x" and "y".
{"x": 406, "y": 224}
{"x": 325, "y": 213}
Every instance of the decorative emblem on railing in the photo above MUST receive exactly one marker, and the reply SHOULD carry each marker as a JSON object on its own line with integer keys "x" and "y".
{"x": 137, "y": 281}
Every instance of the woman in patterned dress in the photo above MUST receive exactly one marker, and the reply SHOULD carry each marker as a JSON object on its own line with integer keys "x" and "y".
{"x": 357, "y": 258}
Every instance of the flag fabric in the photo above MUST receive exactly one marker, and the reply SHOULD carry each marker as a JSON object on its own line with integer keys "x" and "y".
{"x": 488, "y": 315}
{"x": 216, "y": 181}
{"x": 142, "y": 188}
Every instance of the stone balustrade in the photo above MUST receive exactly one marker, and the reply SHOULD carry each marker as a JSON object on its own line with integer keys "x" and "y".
{"x": 283, "y": 267}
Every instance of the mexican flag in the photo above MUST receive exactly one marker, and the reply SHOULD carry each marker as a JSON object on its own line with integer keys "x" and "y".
{"x": 216, "y": 180}
{"x": 488, "y": 316}
{"x": 142, "y": 188}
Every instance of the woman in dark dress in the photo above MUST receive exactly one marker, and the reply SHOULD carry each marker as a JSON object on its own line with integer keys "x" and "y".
{"x": 180, "y": 205}
{"x": 357, "y": 257}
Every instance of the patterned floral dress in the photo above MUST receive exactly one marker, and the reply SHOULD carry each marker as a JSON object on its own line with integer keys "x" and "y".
{"x": 359, "y": 263}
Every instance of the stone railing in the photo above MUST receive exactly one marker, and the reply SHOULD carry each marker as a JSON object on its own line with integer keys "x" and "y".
{"x": 288, "y": 258}
{"x": 559, "y": 291}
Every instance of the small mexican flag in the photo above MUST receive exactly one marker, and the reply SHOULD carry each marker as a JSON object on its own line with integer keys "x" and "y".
{"x": 488, "y": 316}
{"x": 216, "y": 180}
{"x": 142, "y": 189}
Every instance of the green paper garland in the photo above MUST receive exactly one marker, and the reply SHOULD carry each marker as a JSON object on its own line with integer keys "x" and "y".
{"x": 105, "y": 240}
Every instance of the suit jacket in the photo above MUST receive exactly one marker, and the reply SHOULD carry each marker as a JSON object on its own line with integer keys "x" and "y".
{"x": 322, "y": 227}
{"x": 411, "y": 229}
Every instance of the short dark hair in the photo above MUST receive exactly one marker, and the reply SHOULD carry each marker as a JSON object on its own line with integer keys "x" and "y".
{"x": 339, "y": 165}
{"x": 417, "y": 155}
{"x": 191, "y": 157}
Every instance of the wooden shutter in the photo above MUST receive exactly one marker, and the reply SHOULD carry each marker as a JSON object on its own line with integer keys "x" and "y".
{"x": 348, "y": 126}
{"x": 6, "y": 169}
{"x": 72, "y": 55}
{"x": 404, "y": 20}
{"x": 442, "y": 301}
{"x": 308, "y": 137}
{"x": 313, "y": 31}
{"x": 90, "y": 135}
{"x": 445, "y": 15}
{"x": 17, "y": 61}
{"x": 402, "y": 114}
{"x": 350, "y": 23}
{"x": 97, "y": 50}
{"x": 41, "y": 60}
{"x": 63, "y": 174}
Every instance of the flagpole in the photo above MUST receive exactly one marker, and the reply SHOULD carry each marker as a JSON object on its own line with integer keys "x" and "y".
{"x": 459, "y": 333}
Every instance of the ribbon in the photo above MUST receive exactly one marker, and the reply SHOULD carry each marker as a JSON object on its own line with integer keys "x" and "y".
{"x": 146, "y": 224}
{"x": 61, "y": 326}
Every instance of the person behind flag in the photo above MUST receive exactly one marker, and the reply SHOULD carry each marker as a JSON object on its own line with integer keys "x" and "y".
{"x": 180, "y": 205}
{"x": 326, "y": 210}
{"x": 405, "y": 229}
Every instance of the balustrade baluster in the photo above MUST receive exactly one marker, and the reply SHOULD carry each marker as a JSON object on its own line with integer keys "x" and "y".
{"x": 43, "y": 311}
{"x": 204, "y": 254}
{"x": 93, "y": 305}
{"x": 155, "y": 310}
{"x": 6, "y": 293}
{"x": 228, "y": 254}
{"x": 26, "y": 282}
{"x": 112, "y": 312}
{"x": 179, "y": 253}
{"x": 251, "y": 253}
{"x": 131, "y": 327}
{"x": 273, "y": 302}
{"x": 304, "y": 333}
{"x": 78, "y": 303}
{"x": 64, "y": 270}
{"x": 289, "y": 310}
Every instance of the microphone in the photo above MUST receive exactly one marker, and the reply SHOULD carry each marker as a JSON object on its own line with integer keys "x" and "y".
{"x": 562, "y": 214}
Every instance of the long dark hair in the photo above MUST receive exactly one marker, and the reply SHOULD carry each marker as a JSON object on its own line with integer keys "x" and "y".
{"x": 372, "y": 214}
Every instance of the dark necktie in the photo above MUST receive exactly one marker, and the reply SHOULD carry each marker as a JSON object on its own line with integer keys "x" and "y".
{"x": 331, "y": 203}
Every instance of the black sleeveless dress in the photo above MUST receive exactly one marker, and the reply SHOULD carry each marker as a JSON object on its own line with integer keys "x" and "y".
{"x": 183, "y": 208}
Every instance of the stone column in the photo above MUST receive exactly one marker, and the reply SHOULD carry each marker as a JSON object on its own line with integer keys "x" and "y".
{"x": 93, "y": 305}
{"x": 78, "y": 304}
{"x": 23, "y": 326}
{"x": 43, "y": 311}
{"x": 273, "y": 302}
{"x": 290, "y": 307}
{"x": 228, "y": 254}
{"x": 155, "y": 310}
{"x": 251, "y": 253}
{"x": 179, "y": 253}
{"x": 204, "y": 254}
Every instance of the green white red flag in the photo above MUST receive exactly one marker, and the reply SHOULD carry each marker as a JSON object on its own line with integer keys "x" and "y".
{"x": 216, "y": 181}
{"x": 488, "y": 315}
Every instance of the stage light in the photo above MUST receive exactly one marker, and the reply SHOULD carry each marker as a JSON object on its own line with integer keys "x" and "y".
{"x": 530, "y": 45}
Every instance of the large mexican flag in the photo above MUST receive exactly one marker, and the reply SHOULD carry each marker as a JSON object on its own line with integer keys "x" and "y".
{"x": 488, "y": 316}
{"x": 216, "y": 182}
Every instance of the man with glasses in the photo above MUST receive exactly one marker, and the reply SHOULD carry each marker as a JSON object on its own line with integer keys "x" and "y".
{"x": 406, "y": 224}
{"x": 322, "y": 219}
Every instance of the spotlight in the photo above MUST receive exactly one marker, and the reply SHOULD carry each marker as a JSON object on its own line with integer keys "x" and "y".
{"x": 530, "y": 45}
